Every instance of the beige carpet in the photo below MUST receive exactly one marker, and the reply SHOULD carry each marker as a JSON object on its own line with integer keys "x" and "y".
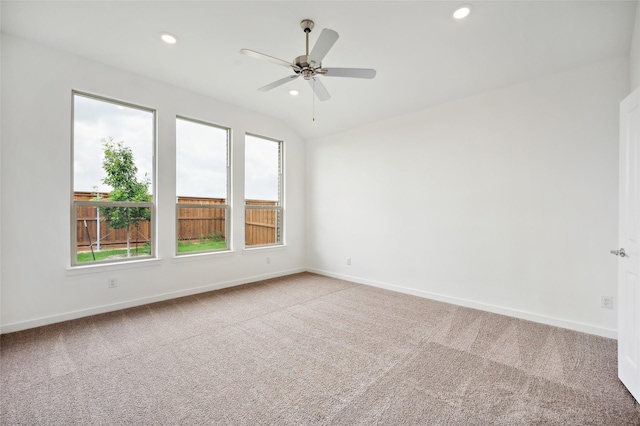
{"x": 307, "y": 349}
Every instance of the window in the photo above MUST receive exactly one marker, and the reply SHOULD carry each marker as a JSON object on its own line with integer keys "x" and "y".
{"x": 113, "y": 212}
{"x": 202, "y": 186}
{"x": 263, "y": 191}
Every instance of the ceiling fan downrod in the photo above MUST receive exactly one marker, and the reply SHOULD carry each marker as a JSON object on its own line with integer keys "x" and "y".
{"x": 307, "y": 26}
{"x": 306, "y": 69}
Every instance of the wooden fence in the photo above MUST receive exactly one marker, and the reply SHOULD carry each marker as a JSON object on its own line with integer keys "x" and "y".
{"x": 260, "y": 225}
{"x": 109, "y": 238}
{"x": 197, "y": 223}
{"x": 194, "y": 223}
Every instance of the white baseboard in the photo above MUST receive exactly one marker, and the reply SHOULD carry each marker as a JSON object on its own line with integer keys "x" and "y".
{"x": 38, "y": 322}
{"x": 543, "y": 319}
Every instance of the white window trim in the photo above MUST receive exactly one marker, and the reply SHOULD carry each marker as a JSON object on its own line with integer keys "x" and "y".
{"x": 86, "y": 266}
{"x": 226, "y": 206}
{"x": 280, "y": 223}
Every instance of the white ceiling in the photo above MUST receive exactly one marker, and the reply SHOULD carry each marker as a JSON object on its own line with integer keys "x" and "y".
{"x": 423, "y": 57}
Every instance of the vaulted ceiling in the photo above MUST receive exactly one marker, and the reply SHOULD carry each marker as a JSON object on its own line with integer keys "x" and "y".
{"x": 423, "y": 56}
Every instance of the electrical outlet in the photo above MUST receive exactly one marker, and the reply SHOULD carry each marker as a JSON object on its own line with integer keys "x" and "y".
{"x": 606, "y": 302}
{"x": 112, "y": 282}
{"x": 348, "y": 261}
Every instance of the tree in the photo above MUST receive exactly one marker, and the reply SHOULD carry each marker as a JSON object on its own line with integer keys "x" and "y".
{"x": 121, "y": 172}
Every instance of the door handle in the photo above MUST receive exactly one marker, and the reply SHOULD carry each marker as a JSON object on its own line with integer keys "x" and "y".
{"x": 620, "y": 252}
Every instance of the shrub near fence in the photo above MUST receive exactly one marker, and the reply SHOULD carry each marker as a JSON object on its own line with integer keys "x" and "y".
{"x": 193, "y": 224}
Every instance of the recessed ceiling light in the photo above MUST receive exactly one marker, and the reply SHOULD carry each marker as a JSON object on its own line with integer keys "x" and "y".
{"x": 294, "y": 92}
{"x": 168, "y": 38}
{"x": 461, "y": 12}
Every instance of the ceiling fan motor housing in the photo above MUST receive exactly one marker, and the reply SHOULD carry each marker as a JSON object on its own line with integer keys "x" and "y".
{"x": 307, "y": 69}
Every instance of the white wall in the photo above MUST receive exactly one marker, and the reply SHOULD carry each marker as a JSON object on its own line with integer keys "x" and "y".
{"x": 38, "y": 287}
{"x": 505, "y": 201}
{"x": 634, "y": 53}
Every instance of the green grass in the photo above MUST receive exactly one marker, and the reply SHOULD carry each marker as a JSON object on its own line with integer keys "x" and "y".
{"x": 183, "y": 247}
{"x": 103, "y": 254}
{"x": 204, "y": 245}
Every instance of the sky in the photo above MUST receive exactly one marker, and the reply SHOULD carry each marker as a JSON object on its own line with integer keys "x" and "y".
{"x": 201, "y": 160}
{"x": 261, "y": 169}
{"x": 94, "y": 122}
{"x": 201, "y": 151}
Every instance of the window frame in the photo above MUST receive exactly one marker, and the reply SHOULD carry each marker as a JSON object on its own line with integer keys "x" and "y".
{"x": 226, "y": 206}
{"x": 279, "y": 207}
{"x": 78, "y": 203}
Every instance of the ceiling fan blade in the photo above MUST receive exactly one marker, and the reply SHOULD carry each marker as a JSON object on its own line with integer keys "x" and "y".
{"x": 319, "y": 89}
{"x": 349, "y": 72}
{"x": 279, "y": 82}
{"x": 268, "y": 58}
{"x": 326, "y": 40}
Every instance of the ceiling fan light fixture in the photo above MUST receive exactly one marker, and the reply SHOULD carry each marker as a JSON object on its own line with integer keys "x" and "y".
{"x": 168, "y": 38}
{"x": 461, "y": 12}
{"x": 294, "y": 92}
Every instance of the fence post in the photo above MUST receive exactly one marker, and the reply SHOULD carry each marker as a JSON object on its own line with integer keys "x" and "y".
{"x": 98, "y": 196}
{"x": 98, "y": 228}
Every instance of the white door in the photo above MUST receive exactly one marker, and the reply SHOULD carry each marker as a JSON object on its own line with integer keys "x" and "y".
{"x": 629, "y": 248}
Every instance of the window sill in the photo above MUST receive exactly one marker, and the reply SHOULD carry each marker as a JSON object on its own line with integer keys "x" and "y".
{"x": 103, "y": 267}
{"x": 199, "y": 256}
{"x": 262, "y": 249}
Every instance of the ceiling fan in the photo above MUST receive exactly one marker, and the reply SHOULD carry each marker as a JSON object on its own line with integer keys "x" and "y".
{"x": 309, "y": 66}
